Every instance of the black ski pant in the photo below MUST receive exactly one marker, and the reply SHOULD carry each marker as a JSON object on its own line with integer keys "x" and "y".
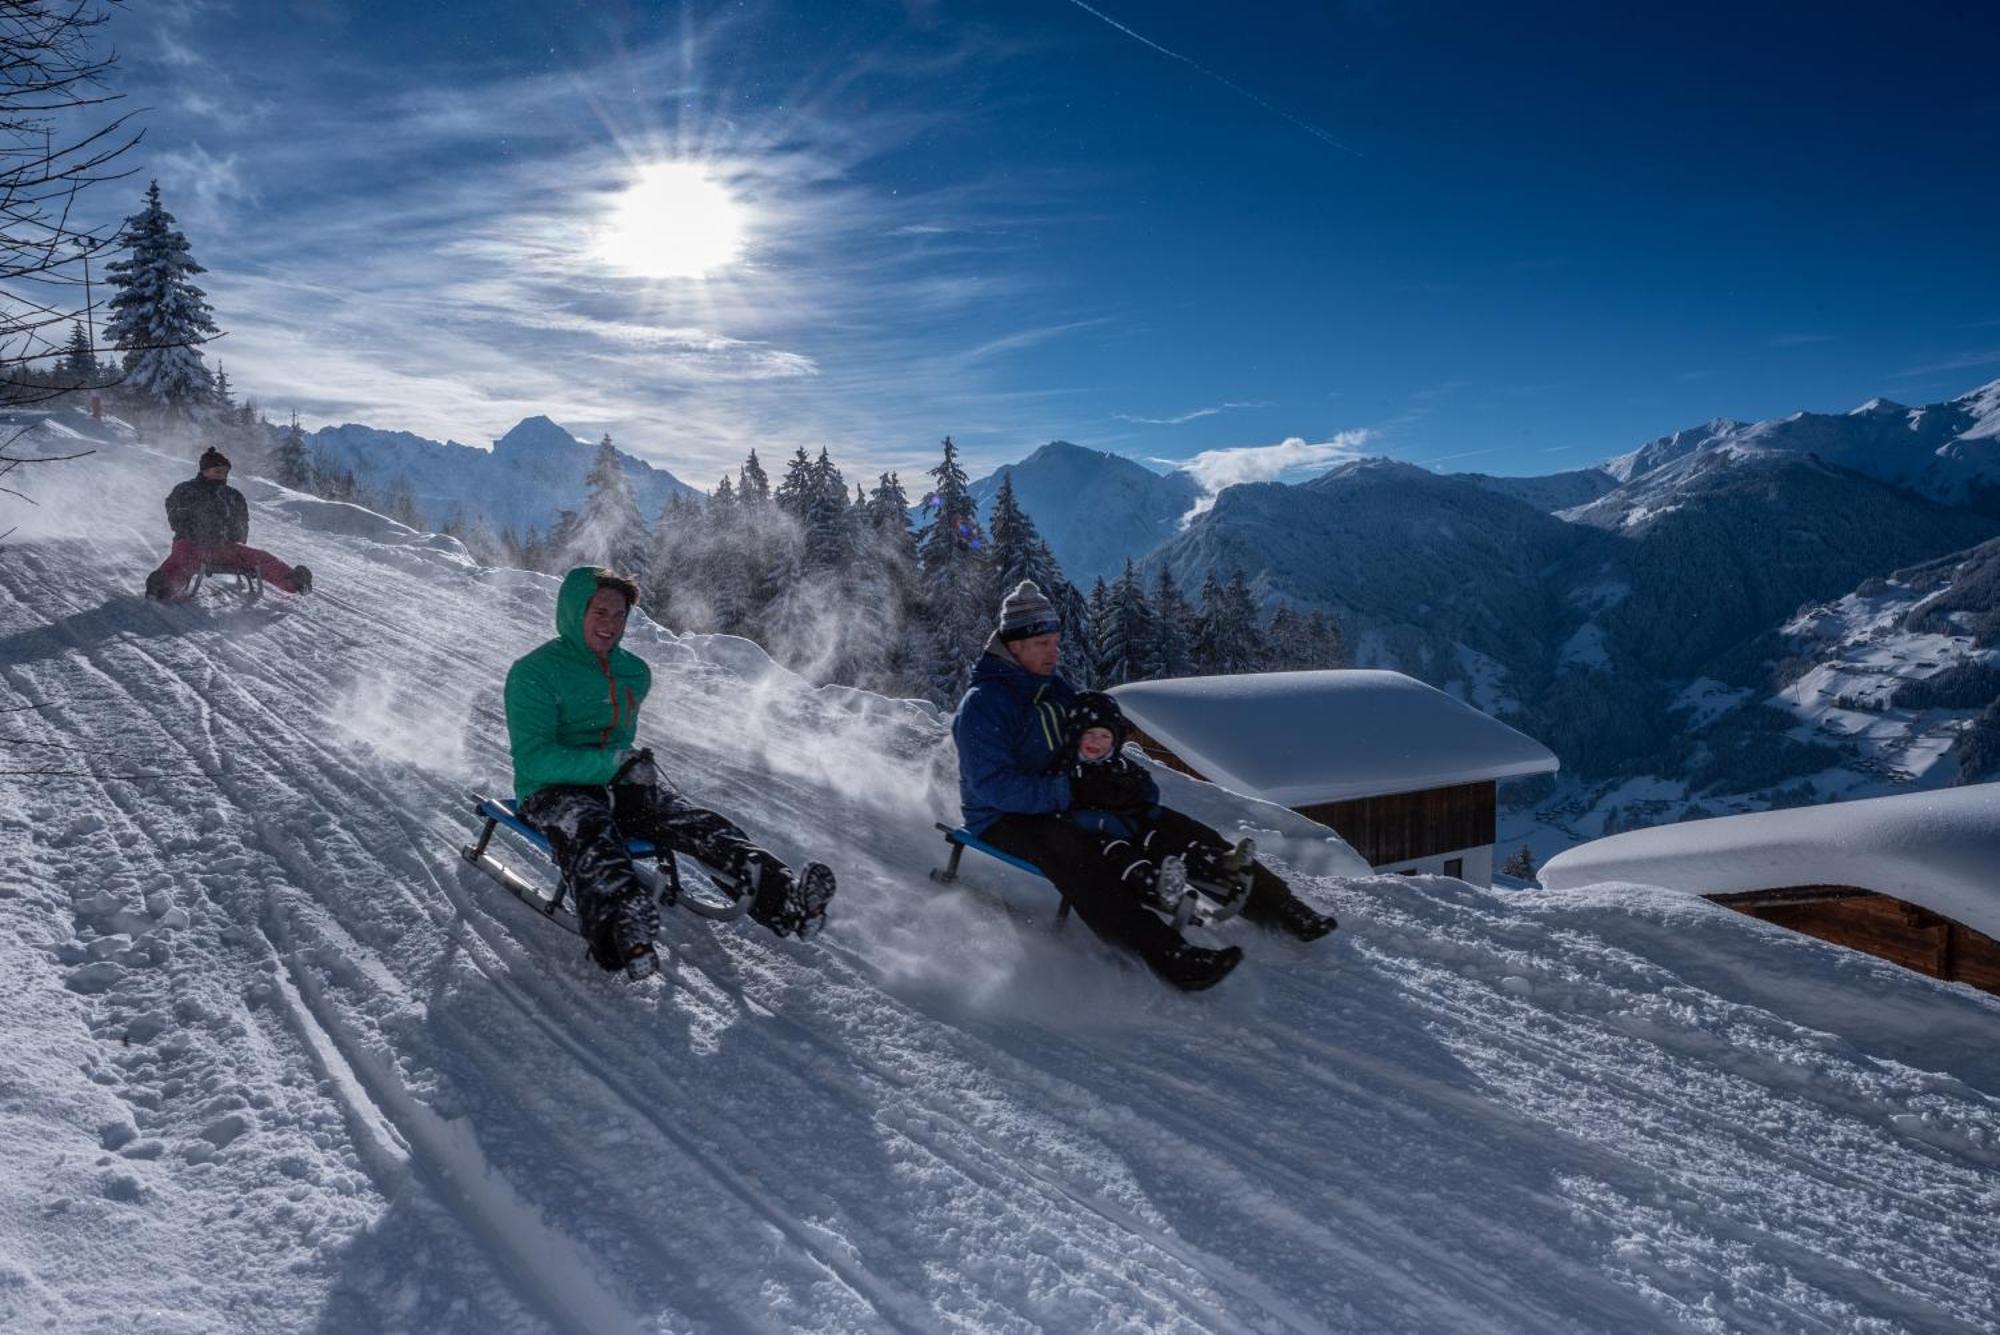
{"x": 587, "y": 829}
{"x": 1091, "y": 874}
{"x": 1173, "y": 832}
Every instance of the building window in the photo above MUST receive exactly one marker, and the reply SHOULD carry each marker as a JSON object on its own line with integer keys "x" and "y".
{"x": 1455, "y": 867}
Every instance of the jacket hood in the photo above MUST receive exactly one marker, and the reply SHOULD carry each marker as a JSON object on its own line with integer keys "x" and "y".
{"x": 572, "y": 600}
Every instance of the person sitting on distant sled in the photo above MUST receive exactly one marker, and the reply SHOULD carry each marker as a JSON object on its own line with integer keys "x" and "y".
{"x": 572, "y": 717}
{"x": 1022, "y": 790}
{"x": 211, "y": 525}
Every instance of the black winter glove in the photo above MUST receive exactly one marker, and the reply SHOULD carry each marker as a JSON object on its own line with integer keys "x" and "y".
{"x": 638, "y": 768}
{"x": 1110, "y": 787}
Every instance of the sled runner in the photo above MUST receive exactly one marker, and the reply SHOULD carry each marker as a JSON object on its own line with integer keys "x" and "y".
{"x": 246, "y": 581}
{"x": 720, "y": 899}
{"x": 1204, "y": 905}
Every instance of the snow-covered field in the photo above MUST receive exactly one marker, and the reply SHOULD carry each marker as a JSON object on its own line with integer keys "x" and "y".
{"x": 272, "y": 1058}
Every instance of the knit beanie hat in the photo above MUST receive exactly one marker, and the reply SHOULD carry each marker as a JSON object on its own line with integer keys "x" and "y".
{"x": 1095, "y": 709}
{"x": 1025, "y": 613}
{"x": 213, "y": 458}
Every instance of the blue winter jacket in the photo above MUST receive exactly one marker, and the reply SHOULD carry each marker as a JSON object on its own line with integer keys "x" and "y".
{"x": 1009, "y": 730}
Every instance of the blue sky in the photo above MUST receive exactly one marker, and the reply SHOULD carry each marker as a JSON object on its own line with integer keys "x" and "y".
{"x": 1511, "y": 241}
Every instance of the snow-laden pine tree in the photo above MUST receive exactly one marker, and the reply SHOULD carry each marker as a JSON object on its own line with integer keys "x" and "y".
{"x": 889, "y": 514}
{"x": 1098, "y": 605}
{"x": 400, "y": 504}
{"x": 1328, "y": 647}
{"x": 1125, "y": 639}
{"x": 794, "y": 493}
{"x": 960, "y": 601}
{"x": 885, "y": 579}
{"x": 609, "y": 530}
{"x": 829, "y": 543}
{"x": 295, "y": 465}
{"x": 1286, "y": 645}
{"x": 159, "y": 318}
{"x": 1174, "y": 628}
{"x": 78, "y": 365}
{"x": 1229, "y": 640}
{"x": 753, "y": 487}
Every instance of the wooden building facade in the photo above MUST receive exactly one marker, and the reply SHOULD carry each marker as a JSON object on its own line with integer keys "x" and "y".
{"x": 1449, "y": 830}
{"x": 1881, "y": 925}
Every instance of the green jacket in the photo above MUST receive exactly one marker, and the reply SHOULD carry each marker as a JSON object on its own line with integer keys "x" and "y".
{"x": 571, "y": 716}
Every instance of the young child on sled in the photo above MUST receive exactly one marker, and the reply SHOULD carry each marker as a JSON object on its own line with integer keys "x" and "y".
{"x": 1112, "y": 795}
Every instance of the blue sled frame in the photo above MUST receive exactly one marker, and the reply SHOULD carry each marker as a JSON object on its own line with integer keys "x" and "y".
{"x": 1204, "y": 905}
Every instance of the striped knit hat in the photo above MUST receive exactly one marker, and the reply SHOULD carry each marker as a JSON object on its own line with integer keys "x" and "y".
{"x": 1025, "y": 613}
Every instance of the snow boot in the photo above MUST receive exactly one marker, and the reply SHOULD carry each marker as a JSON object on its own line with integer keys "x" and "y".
{"x": 621, "y": 935}
{"x": 788, "y": 904}
{"x": 1304, "y": 921}
{"x": 1225, "y": 867}
{"x": 1169, "y": 887}
{"x": 156, "y": 586}
{"x": 302, "y": 580}
{"x": 1194, "y": 968}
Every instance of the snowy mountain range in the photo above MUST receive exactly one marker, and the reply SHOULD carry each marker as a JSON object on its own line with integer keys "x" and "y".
{"x": 1581, "y": 605}
{"x": 533, "y": 472}
{"x": 275, "y": 1059}
{"x": 1949, "y": 452}
{"x": 1095, "y": 510}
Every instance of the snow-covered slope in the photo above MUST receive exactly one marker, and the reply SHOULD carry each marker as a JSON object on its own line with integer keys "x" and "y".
{"x": 534, "y": 471}
{"x": 273, "y": 1058}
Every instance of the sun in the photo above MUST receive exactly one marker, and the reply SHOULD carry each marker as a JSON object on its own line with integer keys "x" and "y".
{"x": 674, "y": 221}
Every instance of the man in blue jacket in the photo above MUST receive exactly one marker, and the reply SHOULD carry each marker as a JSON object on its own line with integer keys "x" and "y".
{"x": 1010, "y": 729}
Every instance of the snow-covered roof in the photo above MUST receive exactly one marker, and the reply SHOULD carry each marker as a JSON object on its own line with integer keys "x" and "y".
{"x": 1301, "y": 738}
{"x": 1939, "y": 850}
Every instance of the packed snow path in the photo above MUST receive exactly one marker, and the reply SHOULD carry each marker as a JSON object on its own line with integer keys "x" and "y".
{"x": 274, "y": 1058}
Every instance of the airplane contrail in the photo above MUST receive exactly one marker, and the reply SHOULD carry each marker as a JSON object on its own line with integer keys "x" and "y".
{"x": 1235, "y": 88}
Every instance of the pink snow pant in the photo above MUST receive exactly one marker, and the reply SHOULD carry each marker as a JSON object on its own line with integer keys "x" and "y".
{"x": 186, "y": 558}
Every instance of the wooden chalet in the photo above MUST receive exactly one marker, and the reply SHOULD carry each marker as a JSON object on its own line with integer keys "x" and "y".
{"x": 1406, "y": 774}
{"x": 1913, "y": 878}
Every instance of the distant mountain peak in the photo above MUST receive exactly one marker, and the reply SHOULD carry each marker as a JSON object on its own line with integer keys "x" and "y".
{"x": 1059, "y": 449}
{"x": 536, "y": 434}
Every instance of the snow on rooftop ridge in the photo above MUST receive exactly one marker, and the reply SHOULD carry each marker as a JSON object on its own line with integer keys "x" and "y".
{"x": 1939, "y": 850}
{"x": 1302, "y": 738}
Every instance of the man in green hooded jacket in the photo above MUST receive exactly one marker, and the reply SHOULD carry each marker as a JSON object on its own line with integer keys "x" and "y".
{"x": 572, "y": 717}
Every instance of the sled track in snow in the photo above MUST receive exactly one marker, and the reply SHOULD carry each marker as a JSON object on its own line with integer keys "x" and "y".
{"x": 1460, "y": 1119}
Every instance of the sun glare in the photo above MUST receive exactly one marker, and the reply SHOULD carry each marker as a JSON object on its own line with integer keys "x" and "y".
{"x": 674, "y": 221}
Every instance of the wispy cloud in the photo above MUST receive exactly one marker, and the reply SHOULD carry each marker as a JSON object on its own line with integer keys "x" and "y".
{"x": 1216, "y": 469}
{"x": 392, "y": 267}
{"x": 1800, "y": 340}
{"x": 1193, "y": 415}
{"x": 1964, "y": 361}
{"x": 205, "y": 186}
{"x": 1447, "y": 458}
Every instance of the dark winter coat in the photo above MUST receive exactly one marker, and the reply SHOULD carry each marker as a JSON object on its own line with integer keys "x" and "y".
{"x": 208, "y": 514}
{"x": 1119, "y": 824}
{"x": 1009, "y": 729}
{"x": 571, "y": 715}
